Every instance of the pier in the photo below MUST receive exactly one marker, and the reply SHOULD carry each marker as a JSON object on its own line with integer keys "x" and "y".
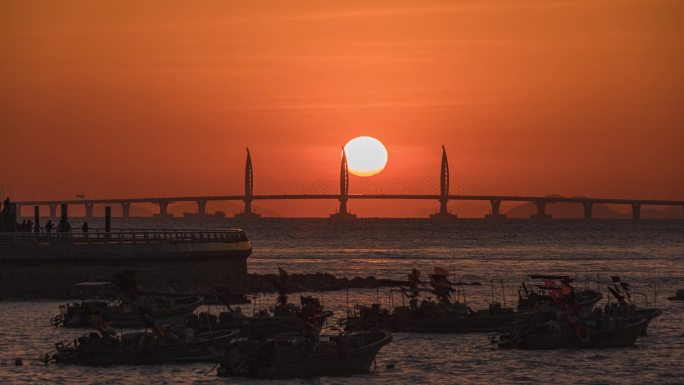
{"x": 46, "y": 265}
{"x": 344, "y": 212}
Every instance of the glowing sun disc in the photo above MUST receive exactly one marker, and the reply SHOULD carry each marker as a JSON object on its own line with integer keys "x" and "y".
{"x": 366, "y": 156}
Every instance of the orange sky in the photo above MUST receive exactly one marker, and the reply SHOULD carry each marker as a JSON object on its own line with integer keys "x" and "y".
{"x": 147, "y": 98}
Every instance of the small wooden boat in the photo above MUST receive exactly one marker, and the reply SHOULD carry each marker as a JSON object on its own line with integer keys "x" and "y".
{"x": 301, "y": 358}
{"x": 124, "y": 313}
{"x": 141, "y": 348}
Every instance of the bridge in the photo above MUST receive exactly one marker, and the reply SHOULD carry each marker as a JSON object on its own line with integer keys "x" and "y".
{"x": 444, "y": 196}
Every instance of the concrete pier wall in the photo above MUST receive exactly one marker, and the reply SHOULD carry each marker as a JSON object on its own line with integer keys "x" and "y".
{"x": 50, "y": 270}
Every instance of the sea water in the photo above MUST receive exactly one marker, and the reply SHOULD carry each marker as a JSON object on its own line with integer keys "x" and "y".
{"x": 649, "y": 254}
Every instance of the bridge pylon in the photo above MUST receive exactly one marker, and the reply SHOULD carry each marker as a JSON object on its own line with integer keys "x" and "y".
{"x": 444, "y": 190}
{"x": 343, "y": 213}
{"x": 496, "y": 210}
{"x": 249, "y": 191}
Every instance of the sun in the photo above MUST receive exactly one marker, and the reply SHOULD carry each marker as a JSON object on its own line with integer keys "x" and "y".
{"x": 366, "y": 156}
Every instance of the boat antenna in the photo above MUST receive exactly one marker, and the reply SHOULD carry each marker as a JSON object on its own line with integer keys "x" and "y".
{"x": 491, "y": 287}
{"x": 586, "y": 278}
{"x": 211, "y": 333}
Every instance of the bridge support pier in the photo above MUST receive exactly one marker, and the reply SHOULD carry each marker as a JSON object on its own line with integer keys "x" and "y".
{"x": 36, "y": 219}
{"x": 88, "y": 210}
{"x": 53, "y": 211}
{"x": 636, "y": 211}
{"x": 443, "y": 212}
{"x": 163, "y": 210}
{"x": 247, "y": 213}
{"x": 65, "y": 212}
{"x": 587, "y": 209}
{"x": 496, "y": 210}
{"x": 343, "y": 213}
{"x": 202, "y": 208}
{"x": 126, "y": 209}
{"x": 541, "y": 211}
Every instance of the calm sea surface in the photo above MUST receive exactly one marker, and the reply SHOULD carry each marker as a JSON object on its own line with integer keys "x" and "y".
{"x": 648, "y": 254}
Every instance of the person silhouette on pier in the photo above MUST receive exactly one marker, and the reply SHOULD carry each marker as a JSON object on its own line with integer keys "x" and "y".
{"x": 48, "y": 226}
{"x": 84, "y": 229}
{"x": 64, "y": 226}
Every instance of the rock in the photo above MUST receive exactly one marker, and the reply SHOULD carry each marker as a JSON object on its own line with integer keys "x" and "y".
{"x": 313, "y": 282}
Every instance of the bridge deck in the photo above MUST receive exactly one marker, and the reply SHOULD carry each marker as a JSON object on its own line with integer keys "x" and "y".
{"x": 510, "y": 198}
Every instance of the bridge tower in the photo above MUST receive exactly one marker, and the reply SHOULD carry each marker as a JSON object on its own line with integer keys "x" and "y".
{"x": 249, "y": 191}
{"x": 443, "y": 189}
{"x": 343, "y": 213}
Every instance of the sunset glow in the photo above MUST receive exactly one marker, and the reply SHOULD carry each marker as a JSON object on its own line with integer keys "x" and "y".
{"x": 531, "y": 98}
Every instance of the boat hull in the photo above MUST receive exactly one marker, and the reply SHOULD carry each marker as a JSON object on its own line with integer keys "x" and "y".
{"x": 594, "y": 339}
{"x": 329, "y": 359}
{"x": 208, "y": 351}
{"x": 118, "y": 318}
{"x": 648, "y": 315}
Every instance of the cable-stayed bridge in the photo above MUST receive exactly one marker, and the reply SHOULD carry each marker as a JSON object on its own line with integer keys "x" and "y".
{"x": 343, "y": 196}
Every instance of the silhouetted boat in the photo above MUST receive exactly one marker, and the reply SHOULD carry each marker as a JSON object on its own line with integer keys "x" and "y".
{"x": 337, "y": 356}
{"x": 608, "y": 332}
{"x": 124, "y": 313}
{"x": 286, "y": 319}
{"x": 545, "y": 296}
{"x": 141, "y": 348}
{"x": 431, "y": 317}
{"x": 444, "y": 315}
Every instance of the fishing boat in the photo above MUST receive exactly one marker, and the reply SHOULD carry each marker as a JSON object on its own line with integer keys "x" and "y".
{"x": 609, "y": 332}
{"x": 124, "y": 314}
{"x": 162, "y": 345}
{"x": 443, "y": 314}
{"x": 285, "y": 320}
{"x": 301, "y": 358}
{"x": 446, "y": 315}
{"x": 545, "y": 296}
{"x": 141, "y": 348}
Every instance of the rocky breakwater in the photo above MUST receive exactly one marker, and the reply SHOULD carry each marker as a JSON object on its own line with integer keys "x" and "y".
{"x": 313, "y": 282}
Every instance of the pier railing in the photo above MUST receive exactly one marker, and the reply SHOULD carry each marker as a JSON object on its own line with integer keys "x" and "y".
{"x": 126, "y": 236}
